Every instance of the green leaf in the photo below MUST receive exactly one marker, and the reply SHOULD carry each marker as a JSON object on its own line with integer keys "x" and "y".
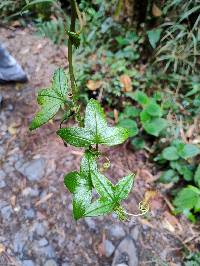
{"x": 130, "y": 125}
{"x": 80, "y": 184}
{"x": 51, "y": 99}
{"x": 123, "y": 187}
{"x": 169, "y": 176}
{"x": 153, "y": 109}
{"x": 110, "y": 195}
{"x": 197, "y": 176}
{"x": 99, "y": 207}
{"x": 36, "y": 2}
{"x": 155, "y": 126}
{"x": 187, "y": 198}
{"x": 131, "y": 112}
{"x": 141, "y": 97}
{"x": 187, "y": 151}
{"x": 154, "y": 36}
{"x": 138, "y": 143}
{"x": 95, "y": 131}
{"x": 103, "y": 186}
{"x": 183, "y": 169}
{"x": 190, "y": 216}
{"x": 170, "y": 153}
{"x": 144, "y": 116}
{"x": 74, "y": 38}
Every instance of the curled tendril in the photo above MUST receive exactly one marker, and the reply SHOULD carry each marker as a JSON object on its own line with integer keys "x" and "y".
{"x": 106, "y": 164}
{"x": 143, "y": 207}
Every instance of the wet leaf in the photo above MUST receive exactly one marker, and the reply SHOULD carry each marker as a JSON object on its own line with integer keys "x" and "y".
{"x": 80, "y": 184}
{"x": 95, "y": 131}
{"x": 51, "y": 99}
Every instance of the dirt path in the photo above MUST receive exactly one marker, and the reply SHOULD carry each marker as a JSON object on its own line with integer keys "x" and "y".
{"x": 36, "y": 226}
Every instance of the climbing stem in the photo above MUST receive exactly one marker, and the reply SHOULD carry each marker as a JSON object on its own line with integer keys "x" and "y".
{"x": 70, "y": 52}
{"x": 74, "y": 91}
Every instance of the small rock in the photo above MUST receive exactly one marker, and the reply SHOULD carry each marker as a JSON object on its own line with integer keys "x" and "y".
{"x": 135, "y": 232}
{"x": 33, "y": 170}
{"x": 122, "y": 264}
{"x": 47, "y": 251}
{"x": 116, "y": 232}
{"x": 109, "y": 248}
{"x": 50, "y": 263}
{"x": 6, "y": 212}
{"x": 2, "y": 174}
{"x": 40, "y": 229}
{"x": 65, "y": 264}
{"x": 29, "y": 214}
{"x": 2, "y": 184}
{"x": 30, "y": 192}
{"x": 43, "y": 242}
{"x": 28, "y": 263}
{"x": 90, "y": 223}
{"x": 19, "y": 241}
{"x": 126, "y": 253}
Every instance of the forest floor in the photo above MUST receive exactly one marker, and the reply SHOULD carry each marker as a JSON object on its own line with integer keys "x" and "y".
{"x": 36, "y": 224}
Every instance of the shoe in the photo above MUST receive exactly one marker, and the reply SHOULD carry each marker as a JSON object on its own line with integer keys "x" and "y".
{"x": 10, "y": 70}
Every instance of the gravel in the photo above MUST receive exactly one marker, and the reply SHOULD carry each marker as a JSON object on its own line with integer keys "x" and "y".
{"x": 50, "y": 263}
{"x": 116, "y": 231}
{"x": 28, "y": 263}
{"x": 34, "y": 170}
{"x": 109, "y": 248}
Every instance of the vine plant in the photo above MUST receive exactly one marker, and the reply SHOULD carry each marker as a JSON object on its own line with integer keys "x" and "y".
{"x": 92, "y": 131}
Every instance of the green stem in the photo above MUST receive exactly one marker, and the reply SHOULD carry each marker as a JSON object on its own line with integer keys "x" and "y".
{"x": 71, "y": 69}
{"x": 70, "y": 52}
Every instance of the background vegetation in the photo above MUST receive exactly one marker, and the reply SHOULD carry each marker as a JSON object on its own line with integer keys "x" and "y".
{"x": 143, "y": 65}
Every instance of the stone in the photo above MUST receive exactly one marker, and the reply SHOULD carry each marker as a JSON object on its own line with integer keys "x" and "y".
{"x": 6, "y": 212}
{"x": 43, "y": 242}
{"x": 28, "y": 263}
{"x": 109, "y": 248}
{"x": 2, "y": 174}
{"x": 30, "y": 192}
{"x": 47, "y": 251}
{"x": 116, "y": 232}
{"x": 126, "y": 253}
{"x": 135, "y": 232}
{"x": 65, "y": 264}
{"x": 122, "y": 264}
{"x": 90, "y": 223}
{"x": 34, "y": 170}
{"x": 2, "y": 184}
{"x": 50, "y": 263}
{"x": 19, "y": 241}
{"x": 29, "y": 214}
{"x": 40, "y": 229}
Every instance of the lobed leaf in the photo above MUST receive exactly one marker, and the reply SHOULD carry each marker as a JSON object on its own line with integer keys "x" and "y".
{"x": 95, "y": 130}
{"x": 51, "y": 99}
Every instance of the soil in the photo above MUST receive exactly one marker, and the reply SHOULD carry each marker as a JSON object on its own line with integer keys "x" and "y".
{"x": 36, "y": 224}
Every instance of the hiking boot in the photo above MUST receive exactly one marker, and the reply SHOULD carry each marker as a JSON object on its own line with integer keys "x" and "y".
{"x": 10, "y": 70}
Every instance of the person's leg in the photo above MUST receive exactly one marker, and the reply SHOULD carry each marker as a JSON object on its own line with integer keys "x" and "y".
{"x": 10, "y": 70}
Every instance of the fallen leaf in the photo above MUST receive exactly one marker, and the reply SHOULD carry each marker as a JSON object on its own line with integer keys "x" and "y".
{"x": 116, "y": 115}
{"x": 12, "y": 129}
{"x": 156, "y": 12}
{"x": 126, "y": 83}
{"x": 93, "y": 85}
{"x": 149, "y": 195}
{"x": 44, "y": 199}
{"x": 167, "y": 225}
{"x": 2, "y": 248}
